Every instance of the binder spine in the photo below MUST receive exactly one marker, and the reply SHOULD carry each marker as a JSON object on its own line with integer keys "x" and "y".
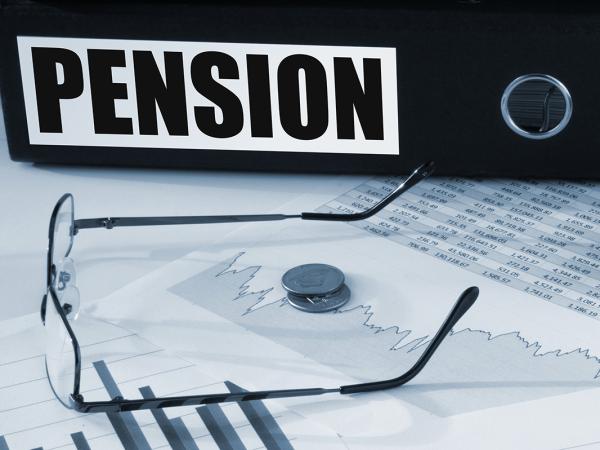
{"x": 312, "y": 87}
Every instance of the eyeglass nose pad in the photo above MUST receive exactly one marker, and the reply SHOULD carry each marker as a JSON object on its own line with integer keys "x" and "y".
{"x": 65, "y": 275}
{"x": 66, "y": 268}
{"x": 70, "y": 301}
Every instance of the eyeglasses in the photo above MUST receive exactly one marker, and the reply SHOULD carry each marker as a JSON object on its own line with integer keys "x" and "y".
{"x": 60, "y": 307}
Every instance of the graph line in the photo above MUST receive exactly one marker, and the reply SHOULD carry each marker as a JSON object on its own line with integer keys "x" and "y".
{"x": 125, "y": 425}
{"x": 524, "y": 368}
{"x": 220, "y": 427}
{"x": 262, "y": 421}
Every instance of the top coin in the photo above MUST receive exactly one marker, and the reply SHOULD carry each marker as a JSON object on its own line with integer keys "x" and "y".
{"x": 312, "y": 280}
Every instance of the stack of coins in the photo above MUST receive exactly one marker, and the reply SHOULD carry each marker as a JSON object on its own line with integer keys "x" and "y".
{"x": 315, "y": 287}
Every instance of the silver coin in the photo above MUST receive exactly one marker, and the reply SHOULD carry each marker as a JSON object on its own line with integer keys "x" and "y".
{"x": 312, "y": 279}
{"x": 320, "y": 304}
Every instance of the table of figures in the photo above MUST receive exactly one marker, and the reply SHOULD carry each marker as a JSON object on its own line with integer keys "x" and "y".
{"x": 542, "y": 237}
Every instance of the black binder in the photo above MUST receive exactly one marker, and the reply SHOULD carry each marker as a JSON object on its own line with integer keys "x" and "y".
{"x": 483, "y": 88}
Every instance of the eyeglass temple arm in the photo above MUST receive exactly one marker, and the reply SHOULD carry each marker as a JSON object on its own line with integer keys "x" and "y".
{"x": 462, "y": 305}
{"x": 418, "y": 174}
{"x": 118, "y": 404}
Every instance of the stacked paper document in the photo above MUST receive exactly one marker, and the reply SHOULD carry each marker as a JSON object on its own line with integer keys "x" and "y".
{"x": 519, "y": 370}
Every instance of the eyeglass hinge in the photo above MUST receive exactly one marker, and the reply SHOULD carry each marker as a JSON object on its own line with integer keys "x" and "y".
{"x": 109, "y": 223}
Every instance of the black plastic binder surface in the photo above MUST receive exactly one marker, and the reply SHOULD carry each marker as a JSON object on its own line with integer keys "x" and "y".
{"x": 310, "y": 110}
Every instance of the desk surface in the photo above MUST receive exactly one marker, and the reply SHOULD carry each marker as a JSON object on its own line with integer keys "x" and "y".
{"x": 109, "y": 260}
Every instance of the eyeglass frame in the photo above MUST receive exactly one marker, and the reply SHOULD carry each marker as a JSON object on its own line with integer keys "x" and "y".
{"x": 118, "y": 404}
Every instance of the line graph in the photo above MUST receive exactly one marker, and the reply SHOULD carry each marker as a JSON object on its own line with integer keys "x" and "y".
{"x": 473, "y": 370}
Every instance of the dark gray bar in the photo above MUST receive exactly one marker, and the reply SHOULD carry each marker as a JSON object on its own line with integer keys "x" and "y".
{"x": 80, "y": 441}
{"x": 262, "y": 421}
{"x": 125, "y": 425}
{"x": 3, "y": 444}
{"x": 184, "y": 434}
{"x": 163, "y": 421}
{"x": 220, "y": 427}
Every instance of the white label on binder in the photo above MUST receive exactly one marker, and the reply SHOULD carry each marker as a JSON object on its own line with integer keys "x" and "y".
{"x": 208, "y": 95}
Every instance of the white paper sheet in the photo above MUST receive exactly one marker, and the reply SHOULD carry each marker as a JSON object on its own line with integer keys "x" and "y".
{"x": 517, "y": 371}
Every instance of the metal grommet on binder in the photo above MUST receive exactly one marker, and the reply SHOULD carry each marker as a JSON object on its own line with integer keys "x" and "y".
{"x": 536, "y": 106}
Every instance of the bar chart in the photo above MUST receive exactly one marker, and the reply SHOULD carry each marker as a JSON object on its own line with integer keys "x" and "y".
{"x": 118, "y": 363}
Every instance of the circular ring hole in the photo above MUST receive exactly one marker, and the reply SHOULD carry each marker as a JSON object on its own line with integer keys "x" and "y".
{"x": 536, "y": 106}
